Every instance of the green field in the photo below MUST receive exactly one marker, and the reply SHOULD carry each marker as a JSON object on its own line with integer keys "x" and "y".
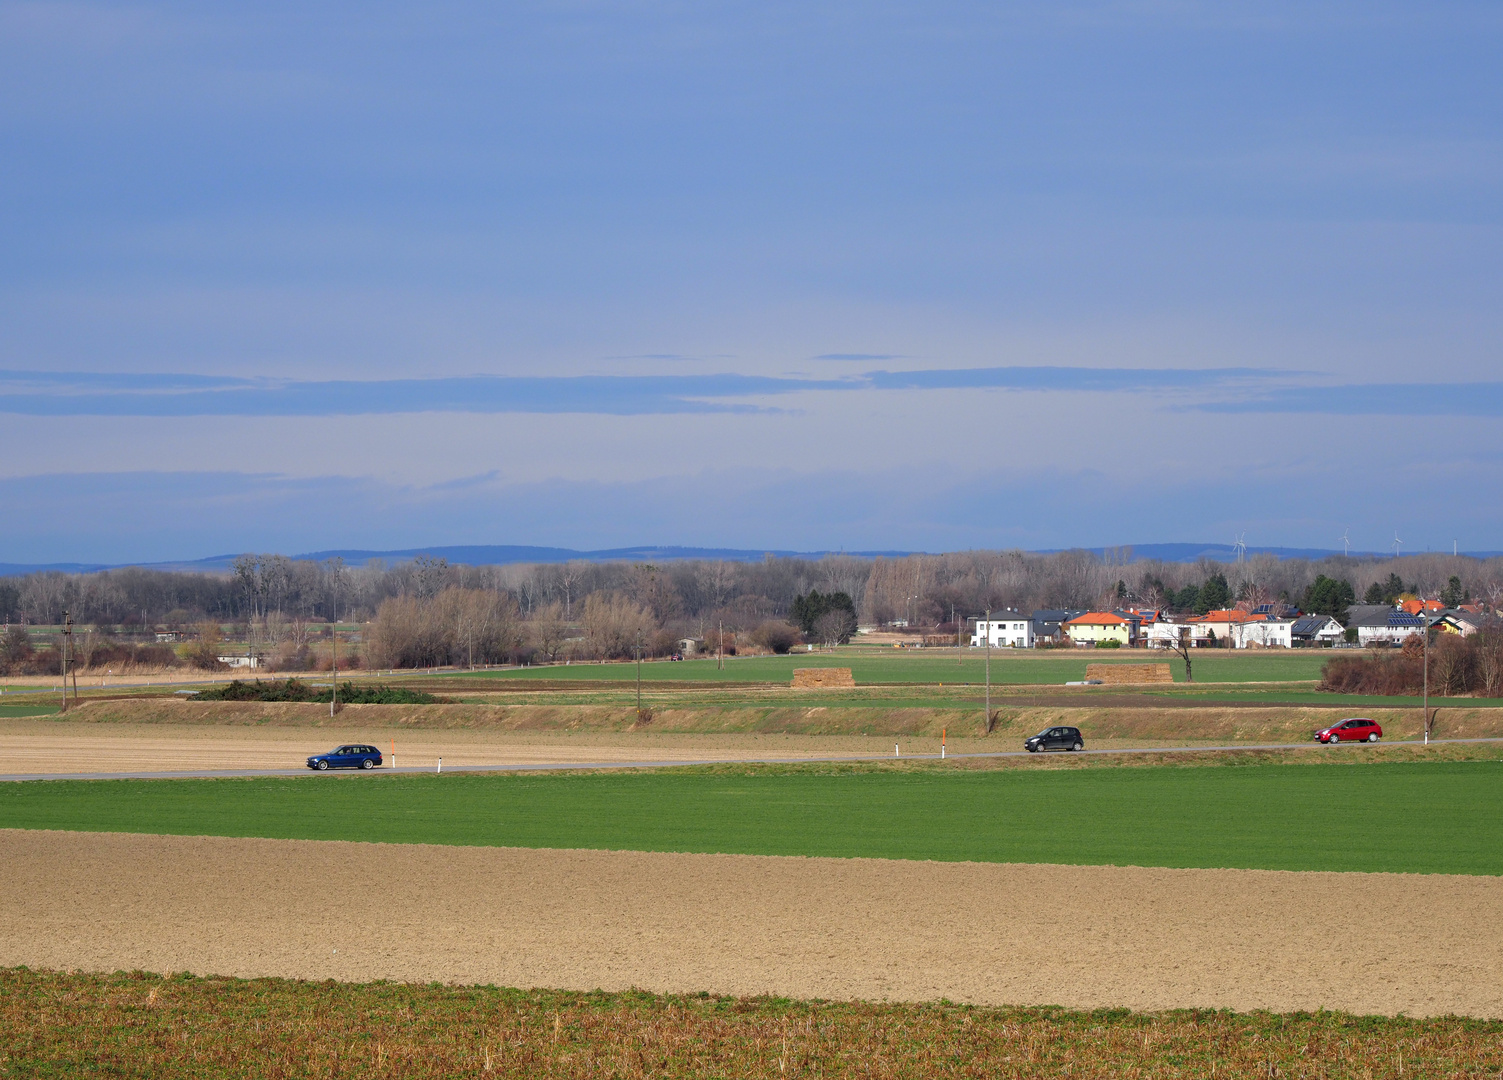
{"x": 19, "y": 711}
{"x": 1427, "y": 817}
{"x": 869, "y": 667}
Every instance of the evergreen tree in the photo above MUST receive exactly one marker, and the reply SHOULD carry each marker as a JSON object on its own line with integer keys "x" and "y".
{"x": 1329, "y": 596}
{"x": 807, "y": 610}
{"x": 1214, "y": 594}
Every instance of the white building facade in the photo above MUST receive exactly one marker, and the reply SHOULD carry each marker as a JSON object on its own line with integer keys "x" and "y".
{"x": 1006, "y": 631}
{"x": 1267, "y": 634}
{"x": 1393, "y": 633}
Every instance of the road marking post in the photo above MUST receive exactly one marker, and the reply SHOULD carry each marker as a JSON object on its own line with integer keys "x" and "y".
{"x": 895, "y": 750}
{"x": 440, "y": 764}
{"x": 941, "y": 743}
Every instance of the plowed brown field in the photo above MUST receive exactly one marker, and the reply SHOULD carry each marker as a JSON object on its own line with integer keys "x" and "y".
{"x": 830, "y": 928}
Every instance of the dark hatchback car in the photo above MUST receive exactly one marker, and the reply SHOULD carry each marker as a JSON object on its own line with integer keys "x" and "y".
{"x": 353, "y": 756}
{"x": 1357, "y": 729}
{"x": 1055, "y": 738}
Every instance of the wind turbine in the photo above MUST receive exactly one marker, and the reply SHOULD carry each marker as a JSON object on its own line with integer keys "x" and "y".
{"x": 1397, "y": 543}
{"x": 1346, "y": 544}
{"x": 1239, "y": 547}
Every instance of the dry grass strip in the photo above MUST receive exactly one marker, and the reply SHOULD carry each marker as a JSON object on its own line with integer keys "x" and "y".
{"x": 144, "y": 1025}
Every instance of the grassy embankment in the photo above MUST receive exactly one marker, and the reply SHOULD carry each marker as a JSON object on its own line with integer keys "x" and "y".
{"x": 1118, "y": 720}
{"x": 146, "y": 1025}
{"x": 1238, "y": 697}
{"x": 1425, "y": 817}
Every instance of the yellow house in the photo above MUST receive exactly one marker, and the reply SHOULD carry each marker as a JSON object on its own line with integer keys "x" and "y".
{"x": 1097, "y": 626}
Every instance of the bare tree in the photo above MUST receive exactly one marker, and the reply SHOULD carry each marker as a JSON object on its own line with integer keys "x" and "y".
{"x": 834, "y": 627}
{"x": 1180, "y": 644}
{"x": 548, "y": 630}
{"x": 613, "y": 624}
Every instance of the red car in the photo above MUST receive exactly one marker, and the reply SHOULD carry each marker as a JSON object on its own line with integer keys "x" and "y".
{"x": 1357, "y": 729}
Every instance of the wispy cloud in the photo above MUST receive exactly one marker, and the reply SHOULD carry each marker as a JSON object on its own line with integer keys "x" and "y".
{"x": 32, "y": 393}
{"x": 869, "y": 357}
{"x": 1064, "y": 378}
{"x": 1371, "y": 399}
{"x": 1229, "y": 390}
{"x": 27, "y": 393}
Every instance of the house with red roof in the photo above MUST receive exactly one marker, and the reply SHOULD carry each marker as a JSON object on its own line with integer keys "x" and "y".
{"x": 1095, "y": 627}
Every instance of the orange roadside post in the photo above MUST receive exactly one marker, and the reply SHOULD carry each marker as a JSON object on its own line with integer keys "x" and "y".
{"x": 941, "y": 742}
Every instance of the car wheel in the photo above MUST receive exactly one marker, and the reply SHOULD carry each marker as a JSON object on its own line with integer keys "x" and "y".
{"x": 1078, "y": 745}
{"x": 1373, "y": 737}
{"x": 323, "y": 766}
{"x": 1332, "y": 740}
{"x": 367, "y": 764}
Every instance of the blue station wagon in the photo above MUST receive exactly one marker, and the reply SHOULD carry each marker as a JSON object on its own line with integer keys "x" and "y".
{"x": 353, "y": 756}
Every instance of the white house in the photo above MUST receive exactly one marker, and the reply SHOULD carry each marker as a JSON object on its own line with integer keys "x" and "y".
{"x": 1266, "y": 633}
{"x": 1317, "y": 630}
{"x": 1379, "y": 623}
{"x": 1164, "y": 633}
{"x": 1006, "y": 630}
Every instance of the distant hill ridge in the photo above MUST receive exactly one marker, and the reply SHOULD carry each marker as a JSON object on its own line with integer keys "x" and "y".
{"x": 507, "y": 554}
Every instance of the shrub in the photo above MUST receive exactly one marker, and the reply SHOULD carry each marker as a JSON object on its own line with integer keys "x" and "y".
{"x": 1458, "y": 666}
{"x": 291, "y": 690}
{"x": 374, "y": 694}
{"x": 114, "y": 654}
{"x": 298, "y": 691}
{"x": 775, "y": 636}
{"x": 15, "y": 650}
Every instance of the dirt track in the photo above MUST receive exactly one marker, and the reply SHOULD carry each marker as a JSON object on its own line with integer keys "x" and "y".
{"x": 47, "y": 746}
{"x": 832, "y": 928}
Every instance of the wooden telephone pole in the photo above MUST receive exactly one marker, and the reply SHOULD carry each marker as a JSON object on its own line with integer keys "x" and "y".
{"x": 988, "y": 724}
{"x": 68, "y": 662}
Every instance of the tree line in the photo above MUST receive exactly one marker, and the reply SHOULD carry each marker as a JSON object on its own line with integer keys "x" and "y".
{"x": 613, "y": 605}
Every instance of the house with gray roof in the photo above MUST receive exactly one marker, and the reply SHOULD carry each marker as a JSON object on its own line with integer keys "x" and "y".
{"x": 1379, "y": 624}
{"x": 1311, "y": 630}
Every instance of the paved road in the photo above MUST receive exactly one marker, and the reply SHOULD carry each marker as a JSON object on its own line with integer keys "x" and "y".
{"x": 220, "y": 774}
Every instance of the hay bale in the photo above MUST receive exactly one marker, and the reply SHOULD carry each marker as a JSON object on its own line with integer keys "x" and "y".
{"x": 1129, "y": 674}
{"x": 821, "y": 678}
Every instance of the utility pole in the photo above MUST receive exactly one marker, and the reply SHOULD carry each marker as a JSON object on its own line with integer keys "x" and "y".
{"x": 720, "y": 645}
{"x": 988, "y": 671}
{"x": 639, "y": 677}
{"x": 1425, "y": 701}
{"x": 334, "y": 643}
{"x": 67, "y": 644}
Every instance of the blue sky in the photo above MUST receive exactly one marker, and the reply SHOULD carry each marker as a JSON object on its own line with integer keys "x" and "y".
{"x": 939, "y": 275}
